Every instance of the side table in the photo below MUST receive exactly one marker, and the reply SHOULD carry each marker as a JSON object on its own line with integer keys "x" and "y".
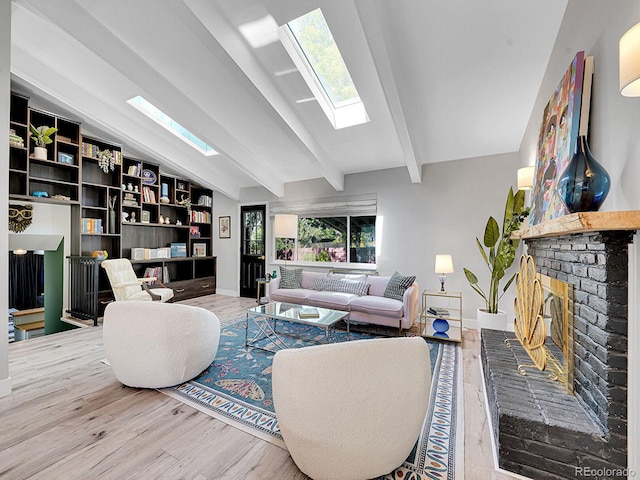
{"x": 261, "y": 283}
{"x": 441, "y": 315}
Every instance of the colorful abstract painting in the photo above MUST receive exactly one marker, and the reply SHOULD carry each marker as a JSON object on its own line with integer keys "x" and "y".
{"x": 556, "y": 143}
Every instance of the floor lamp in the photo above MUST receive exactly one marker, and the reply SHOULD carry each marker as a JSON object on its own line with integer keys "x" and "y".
{"x": 286, "y": 226}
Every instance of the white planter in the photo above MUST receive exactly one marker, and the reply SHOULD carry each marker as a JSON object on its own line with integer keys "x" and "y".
{"x": 493, "y": 321}
{"x": 40, "y": 153}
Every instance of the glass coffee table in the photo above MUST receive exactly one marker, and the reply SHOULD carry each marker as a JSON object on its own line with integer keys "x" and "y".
{"x": 265, "y": 319}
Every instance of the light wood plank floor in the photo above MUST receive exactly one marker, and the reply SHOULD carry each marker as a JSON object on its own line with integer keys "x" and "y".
{"x": 69, "y": 418}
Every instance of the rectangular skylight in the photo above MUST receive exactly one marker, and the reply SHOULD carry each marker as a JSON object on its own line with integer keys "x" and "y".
{"x": 165, "y": 121}
{"x": 310, "y": 44}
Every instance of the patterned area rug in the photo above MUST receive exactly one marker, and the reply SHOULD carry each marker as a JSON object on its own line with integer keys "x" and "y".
{"x": 236, "y": 389}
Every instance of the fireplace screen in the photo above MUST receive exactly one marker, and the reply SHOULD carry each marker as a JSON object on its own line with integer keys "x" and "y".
{"x": 544, "y": 308}
{"x": 558, "y": 314}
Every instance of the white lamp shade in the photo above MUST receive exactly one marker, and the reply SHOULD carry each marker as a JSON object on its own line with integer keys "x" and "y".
{"x": 630, "y": 63}
{"x": 525, "y": 178}
{"x": 444, "y": 264}
{"x": 285, "y": 226}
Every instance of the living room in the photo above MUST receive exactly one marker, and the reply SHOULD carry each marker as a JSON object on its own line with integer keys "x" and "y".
{"x": 426, "y": 207}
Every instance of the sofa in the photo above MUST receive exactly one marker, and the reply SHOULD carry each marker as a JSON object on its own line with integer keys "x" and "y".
{"x": 363, "y": 296}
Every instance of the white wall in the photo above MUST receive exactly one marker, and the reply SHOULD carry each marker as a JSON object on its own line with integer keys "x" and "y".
{"x": 596, "y": 27}
{"x": 5, "y": 90}
{"x": 226, "y": 249}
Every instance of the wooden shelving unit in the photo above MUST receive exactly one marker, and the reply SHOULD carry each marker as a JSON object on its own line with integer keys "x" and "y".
{"x": 133, "y": 205}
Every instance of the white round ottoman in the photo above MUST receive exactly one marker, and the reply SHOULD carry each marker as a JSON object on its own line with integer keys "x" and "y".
{"x": 156, "y": 345}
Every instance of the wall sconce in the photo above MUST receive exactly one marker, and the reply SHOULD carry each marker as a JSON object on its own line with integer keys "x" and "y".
{"x": 444, "y": 265}
{"x": 19, "y": 251}
{"x": 525, "y": 178}
{"x": 630, "y": 62}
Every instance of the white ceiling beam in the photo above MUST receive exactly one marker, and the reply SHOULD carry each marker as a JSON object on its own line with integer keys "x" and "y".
{"x": 218, "y": 25}
{"x": 370, "y": 21}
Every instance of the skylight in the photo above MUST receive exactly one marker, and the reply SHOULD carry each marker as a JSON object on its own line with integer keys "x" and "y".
{"x": 164, "y": 120}
{"x": 311, "y": 46}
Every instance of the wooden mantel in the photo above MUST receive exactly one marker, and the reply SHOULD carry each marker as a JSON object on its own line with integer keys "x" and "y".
{"x": 582, "y": 222}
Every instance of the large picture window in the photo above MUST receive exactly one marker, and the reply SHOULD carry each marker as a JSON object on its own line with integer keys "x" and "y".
{"x": 335, "y": 230}
{"x": 343, "y": 239}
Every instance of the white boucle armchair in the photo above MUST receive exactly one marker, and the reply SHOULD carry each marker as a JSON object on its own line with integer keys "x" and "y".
{"x": 157, "y": 345}
{"x": 352, "y": 410}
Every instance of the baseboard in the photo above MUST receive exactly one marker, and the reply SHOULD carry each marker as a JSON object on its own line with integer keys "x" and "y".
{"x": 5, "y": 387}
{"x": 229, "y": 293}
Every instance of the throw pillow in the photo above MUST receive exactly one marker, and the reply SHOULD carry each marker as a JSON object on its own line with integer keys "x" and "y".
{"x": 290, "y": 277}
{"x": 345, "y": 286}
{"x": 319, "y": 283}
{"x": 357, "y": 288}
{"x": 397, "y": 285}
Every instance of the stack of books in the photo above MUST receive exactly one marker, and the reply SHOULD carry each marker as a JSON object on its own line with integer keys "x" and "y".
{"x": 148, "y": 195}
{"x": 439, "y": 312}
{"x": 14, "y": 139}
{"x": 308, "y": 312}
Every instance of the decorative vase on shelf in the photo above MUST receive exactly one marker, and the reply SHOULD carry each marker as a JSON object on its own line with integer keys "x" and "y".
{"x": 584, "y": 184}
{"x": 40, "y": 153}
{"x": 112, "y": 221}
{"x": 164, "y": 198}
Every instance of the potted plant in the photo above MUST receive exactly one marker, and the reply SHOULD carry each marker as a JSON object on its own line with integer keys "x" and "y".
{"x": 42, "y": 137}
{"x": 500, "y": 254}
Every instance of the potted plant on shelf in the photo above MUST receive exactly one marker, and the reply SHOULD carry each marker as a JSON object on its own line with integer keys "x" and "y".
{"x": 500, "y": 254}
{"x": 42, "y": 137}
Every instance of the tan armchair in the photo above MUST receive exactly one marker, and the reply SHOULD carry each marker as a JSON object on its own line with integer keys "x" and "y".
{"x": 126, "y": 286}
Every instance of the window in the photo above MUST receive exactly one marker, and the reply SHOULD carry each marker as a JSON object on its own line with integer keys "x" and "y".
{"x": 253, "y": 241}
{"x": 311, "y": 46}
{"x": 165, "y": 121}
{"x": 325, "y": 239}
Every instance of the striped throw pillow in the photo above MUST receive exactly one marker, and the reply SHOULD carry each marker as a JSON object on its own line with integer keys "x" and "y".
{"x": 290, "y": 277}
{"x": 397, "y": 285}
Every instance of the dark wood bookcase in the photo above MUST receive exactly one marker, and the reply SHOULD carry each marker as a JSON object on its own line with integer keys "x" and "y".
{"x": 133, "y": 205}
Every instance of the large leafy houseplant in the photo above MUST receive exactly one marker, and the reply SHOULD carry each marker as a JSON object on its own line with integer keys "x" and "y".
{"x": 501, "y": 249}
{"x": 42, "y": 135}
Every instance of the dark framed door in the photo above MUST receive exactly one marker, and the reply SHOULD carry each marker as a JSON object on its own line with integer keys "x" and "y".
{"x": 252, "y": 248}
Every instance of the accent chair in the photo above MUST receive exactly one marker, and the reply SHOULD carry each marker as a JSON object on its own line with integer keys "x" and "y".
{"x": 126, "y": 286}
{"x": 352, "y": 410}
{"x": 157, "y": 345}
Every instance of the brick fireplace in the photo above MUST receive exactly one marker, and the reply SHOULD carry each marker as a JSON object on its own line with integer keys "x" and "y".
{"x": 540, "y": 430}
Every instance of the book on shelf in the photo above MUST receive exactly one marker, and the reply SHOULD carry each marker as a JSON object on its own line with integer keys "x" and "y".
{"x": 162, "y": 274}
{"x": 308, "y": 312}
{"x": 441, "y": 312}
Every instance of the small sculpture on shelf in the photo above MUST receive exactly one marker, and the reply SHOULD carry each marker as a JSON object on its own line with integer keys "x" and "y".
{"x": 167, "y": 221}
{"x": 106, "y": 161}
{"x": 133, "y": 217}
{"x": 161, "y": 219}
{"x": 185, "y": 202}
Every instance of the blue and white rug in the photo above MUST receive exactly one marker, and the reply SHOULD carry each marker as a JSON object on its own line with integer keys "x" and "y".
{"x": 236, "y": 389}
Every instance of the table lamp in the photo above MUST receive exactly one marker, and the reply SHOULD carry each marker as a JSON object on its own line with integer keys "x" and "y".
{"x": 285, "y": 226}
{"x": 444, "y": 265}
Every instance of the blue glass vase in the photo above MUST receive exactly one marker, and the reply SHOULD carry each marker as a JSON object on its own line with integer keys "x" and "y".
{"x": 440, "y": 325}
{"x": 584, "y": 184}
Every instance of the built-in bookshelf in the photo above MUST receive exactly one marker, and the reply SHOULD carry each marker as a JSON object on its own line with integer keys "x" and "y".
{"x": 118, "y": 203}
{"x": 54, "y": 178}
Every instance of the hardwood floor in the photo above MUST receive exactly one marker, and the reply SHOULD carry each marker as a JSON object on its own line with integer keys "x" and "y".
{"x": 69, "y": 418}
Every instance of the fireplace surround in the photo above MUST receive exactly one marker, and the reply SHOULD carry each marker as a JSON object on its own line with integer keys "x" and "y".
{"x": 540, "y": 430}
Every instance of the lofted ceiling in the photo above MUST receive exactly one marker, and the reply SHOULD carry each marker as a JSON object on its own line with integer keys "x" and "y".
{"x": 441, "y": 80}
